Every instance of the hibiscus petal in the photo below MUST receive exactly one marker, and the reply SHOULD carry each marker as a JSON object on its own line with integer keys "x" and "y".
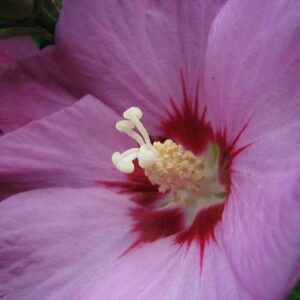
{"x": 252, "y": 70}
{"x": 261, "y": 233}
{"x": 53, "y": 242}
{"x": 70, "y": 148}
{"x": 12, "y": 49}
{"x": 253, "y": 66}
{"x": 135, "y": 52}
{"x": 33, "y": 88}
{"x": 163, "y": 270}
{"x": 254, "y": 254}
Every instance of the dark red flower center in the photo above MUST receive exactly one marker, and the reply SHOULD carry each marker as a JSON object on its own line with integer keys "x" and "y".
{"x": 189, "y": 128}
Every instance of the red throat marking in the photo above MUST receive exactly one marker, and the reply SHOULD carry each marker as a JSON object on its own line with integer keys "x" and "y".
{"x": 186, "y": 126}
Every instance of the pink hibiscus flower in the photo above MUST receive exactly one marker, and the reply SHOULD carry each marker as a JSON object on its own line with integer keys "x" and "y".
{"x": 211, "y": 214}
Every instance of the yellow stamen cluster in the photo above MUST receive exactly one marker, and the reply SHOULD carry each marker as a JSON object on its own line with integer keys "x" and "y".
{"x": 175, "y": 169}
{"x": 190, "y": 181}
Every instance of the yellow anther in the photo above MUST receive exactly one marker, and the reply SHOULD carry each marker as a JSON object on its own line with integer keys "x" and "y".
{"x": 191, "y": 181}
{"x": 175, "y": 168}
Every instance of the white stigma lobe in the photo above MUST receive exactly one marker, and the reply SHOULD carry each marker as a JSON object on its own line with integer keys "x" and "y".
{"x": 145, "y": 154}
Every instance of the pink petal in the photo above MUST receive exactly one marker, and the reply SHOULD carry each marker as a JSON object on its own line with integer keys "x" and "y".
{"x": 33, "y": 88}
{"x": 54, "y": 242}
{"x": 163, "y": 270}
{"x": 134, "y": 53}
{"x": 253, "y": 70}
{"x": 70, "y": 148}
{"x": 254, "y": 254}
{"x": 252, "y": 81}
{"x": 260, "y": 233}
{"x": 253, "y": 66}
{"x": 12, "y": 49}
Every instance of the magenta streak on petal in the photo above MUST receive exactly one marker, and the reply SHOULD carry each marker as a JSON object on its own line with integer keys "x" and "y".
{"x": 151, "y": 225}
{"x": 138, "y": 186}
{"x": 228, "y": 151}
{"x": 203, "y": 227}
{"x": 184, "y": 125}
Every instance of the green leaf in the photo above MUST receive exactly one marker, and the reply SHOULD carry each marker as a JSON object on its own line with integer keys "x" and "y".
{"x": 36, "y": 18}
{"x": 295, "y": 292}
{"x": 16, "y": 10}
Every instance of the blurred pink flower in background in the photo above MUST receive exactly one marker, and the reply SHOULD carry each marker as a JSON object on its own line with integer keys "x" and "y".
{"x": 204, "y": 73}
{"x": 12, "y": 49}
{"x": 31, "y": 88}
